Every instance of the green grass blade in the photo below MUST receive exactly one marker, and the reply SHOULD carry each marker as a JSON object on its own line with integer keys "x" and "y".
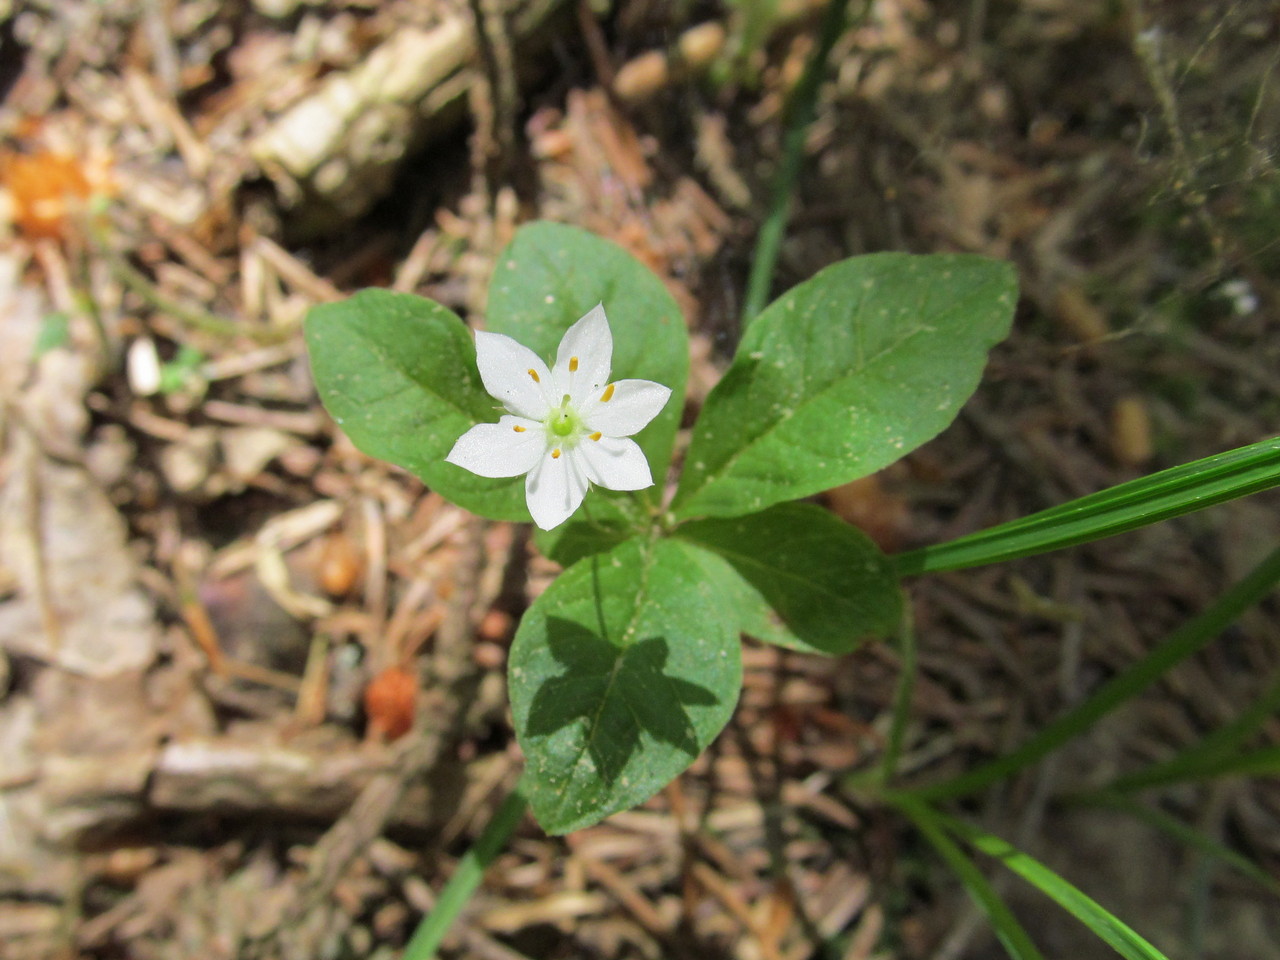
{"x": 801, "y": 111}
{"x": 466, "y": 877}
{"x": 1207, "y": 752}
{"x": 1169, "y": 493}
{"x": 1182, "y": 643}
{"x": 1105, "y": 925}
{"x": 1006, "y": 925}
{"x": 1263, "y": 762}
{"x": 1185, "y": 834}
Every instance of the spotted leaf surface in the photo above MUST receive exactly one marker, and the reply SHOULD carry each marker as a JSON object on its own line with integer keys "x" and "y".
{"x": 843, "y": 375}
{"x": 621, "y": 674}
{"x": 398, "y": 375}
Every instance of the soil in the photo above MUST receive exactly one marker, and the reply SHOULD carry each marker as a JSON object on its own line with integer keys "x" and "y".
{"x": 252, "y": 696}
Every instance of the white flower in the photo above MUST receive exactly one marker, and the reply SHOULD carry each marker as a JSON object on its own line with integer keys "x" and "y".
{"x": 566, "y": 428}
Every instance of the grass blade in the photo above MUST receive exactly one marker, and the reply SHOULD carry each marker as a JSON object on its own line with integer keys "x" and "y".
{"x": 1183, "y": 833}
{"x": 801, "y": 110}
{"x": 1203, "y": 755}
{"x": 1169, "y": 493}
{"x": 1106, "y": 926}
{"x": 466, "y": 877}
{"x": 1006, "y": 925}
{"x": 1182, "y": 643}
{"x": 1262, "y": 762}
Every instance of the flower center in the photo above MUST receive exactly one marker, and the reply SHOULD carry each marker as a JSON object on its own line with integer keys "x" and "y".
{"x": 564, "y": 422}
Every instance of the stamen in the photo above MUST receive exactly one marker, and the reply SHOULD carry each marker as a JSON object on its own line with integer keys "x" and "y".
{"x": 564, "y": 401}
{"x": 573, "y": 364}
{"x": 597, "y": 435}
{"x": 534, "y": 374}
{"x": 555, "y": 454}
{"x": 608, "y": 393}
{"x": 518, "y": 429}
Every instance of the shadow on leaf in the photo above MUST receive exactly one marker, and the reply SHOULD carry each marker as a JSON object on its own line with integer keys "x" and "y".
{"x": 617, "y": 693}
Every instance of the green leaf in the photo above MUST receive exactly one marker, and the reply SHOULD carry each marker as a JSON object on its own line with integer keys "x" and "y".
{"x": 1169, "y": 493}
{"x": 398, "y": 374}
{"x": 1105, "y": 925}
{"x": 800, "y": 577}
{"x": 551, "y": 274}
{"x": 621, "y": 673}
{"x": 1006, "y": 925}
{"x": 842, "y": 375}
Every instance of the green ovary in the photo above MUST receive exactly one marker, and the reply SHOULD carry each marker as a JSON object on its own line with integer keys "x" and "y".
{"x": 565, "y": 423}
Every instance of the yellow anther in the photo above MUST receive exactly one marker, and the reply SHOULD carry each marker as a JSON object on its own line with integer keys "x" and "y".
{"x": 534, "y": 374}
{"x": 555, "y": 454}
{"x": 518, "y": 429}
{"x": 573, "y": 364}
{"x": 608, "y": 392}
{"x": 597, "y": 435}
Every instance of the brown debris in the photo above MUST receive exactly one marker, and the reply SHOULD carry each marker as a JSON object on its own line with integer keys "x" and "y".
{"x": 252, "y": 691}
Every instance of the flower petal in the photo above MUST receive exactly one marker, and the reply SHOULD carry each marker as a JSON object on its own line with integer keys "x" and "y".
{"x": 615, "y": 463}
{"x": 631, "y": 405}
{"x": 499, "y": 449}
{"x": 554, "y": 488}
{"x": 590, "y": 343}
{"x": 513, "y": 374}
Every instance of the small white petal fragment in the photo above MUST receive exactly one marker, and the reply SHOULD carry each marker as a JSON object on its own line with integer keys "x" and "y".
{"x": 590, "y": 343}
{"x": 514, "y": 374}
{"x": 630, "y": 408}
{"x": 508, "y": 448}
{"x": 566, "y": 428}
{"x": 554, "y": 490}
{"x": 616, "y": 463}
{"x": 144, "y": 367}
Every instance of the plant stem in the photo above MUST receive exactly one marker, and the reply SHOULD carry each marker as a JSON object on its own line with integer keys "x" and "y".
{"x": 426, "y": 939}
{"x": 194, "y": 317}
{"x": 902, "y": 695}
{"x": 1182, "y": 643}
{"x": 802, "y": 107}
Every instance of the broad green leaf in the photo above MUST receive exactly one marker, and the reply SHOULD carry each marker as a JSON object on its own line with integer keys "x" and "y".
{"x": 1006, "y": 925}
{"x": 398, "y": 374}
{"x": 621, "y": 673}
{"x": 1106, "y": 926}
{"x": 805, "y": 579}
{"x": 843, "y": 374}
{"x": 1136, "y": 503}
{"x": 552, "y": 274}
